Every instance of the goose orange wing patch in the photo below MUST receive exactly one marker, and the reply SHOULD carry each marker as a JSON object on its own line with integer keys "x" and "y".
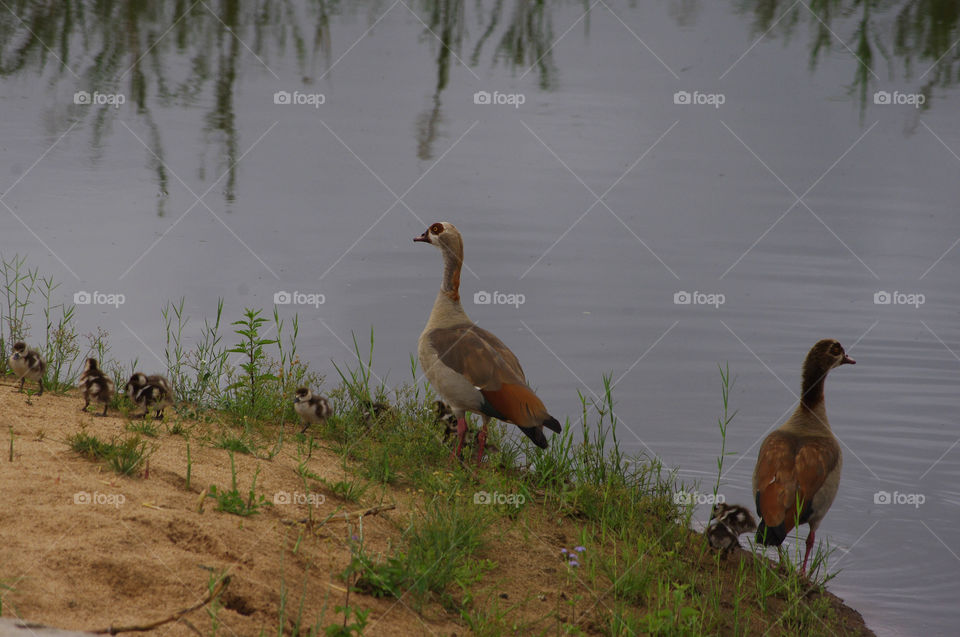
{"x": 774, "y": 479}
{"x": 518, "y": 403}
{"x": 787, "y": 471}
{"x": 815, "y": 460}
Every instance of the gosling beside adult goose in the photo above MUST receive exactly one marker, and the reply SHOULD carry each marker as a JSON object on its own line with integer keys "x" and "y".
{"x": 798, "y": 467}
{"x": 727, "y": 523}
{"x": 469, "y": 367}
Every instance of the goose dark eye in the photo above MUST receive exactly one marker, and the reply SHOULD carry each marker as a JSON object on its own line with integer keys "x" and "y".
{"x": 436, "y": 228}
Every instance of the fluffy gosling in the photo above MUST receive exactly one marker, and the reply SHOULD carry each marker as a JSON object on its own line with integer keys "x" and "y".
{"x": 312, "y": 409}
{"x": 95, "y": 385}
{"x": 27, "y": 364}
{"x": 152, "y": 393}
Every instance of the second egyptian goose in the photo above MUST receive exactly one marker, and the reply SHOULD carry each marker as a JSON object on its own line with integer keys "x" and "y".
{"x": 470, "y": 368}
{"x": 27, "y": 364}
{"x": 798, "y": 467}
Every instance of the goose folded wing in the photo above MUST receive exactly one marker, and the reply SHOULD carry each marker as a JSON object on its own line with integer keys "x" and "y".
{"x": 478, "y": 355}
{"x": 789, "y": 471}
{"x": 775, "y": 480}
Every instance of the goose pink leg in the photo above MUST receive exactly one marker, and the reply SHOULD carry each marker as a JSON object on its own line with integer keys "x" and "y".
{"x": 803, "y": 569}
{"x": 481, "y": 442}
{"x": 461, "y": 434}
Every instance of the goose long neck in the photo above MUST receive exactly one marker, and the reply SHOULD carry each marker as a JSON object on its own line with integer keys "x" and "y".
{"x": 452, "y": 262}
{"x": 814, "y": 376}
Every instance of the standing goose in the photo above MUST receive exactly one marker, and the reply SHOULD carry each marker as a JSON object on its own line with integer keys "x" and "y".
{"x": 798, "y": 468}
{"x": 27, "y": 364}
{"x": 470, "y": 368}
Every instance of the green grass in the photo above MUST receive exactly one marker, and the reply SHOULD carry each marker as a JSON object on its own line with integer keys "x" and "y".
{"x": 148, "y": 427}
{"x": 241, "y": 443}
{"x": 232, "y": 501}
{"x": 437, "y": 556}
{"x": 126, "y": 457}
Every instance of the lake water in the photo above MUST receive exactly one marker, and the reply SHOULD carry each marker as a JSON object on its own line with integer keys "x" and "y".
{"x": 762, "y": 151}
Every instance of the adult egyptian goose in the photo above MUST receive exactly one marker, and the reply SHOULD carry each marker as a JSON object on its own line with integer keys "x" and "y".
{"x": 95, "y": 385}
{"x": 798, "y": 468}
{"x": 27, "y": 364}
{"x": 470, "y": 368}
{"x": 311, "y": 408}
{"x": 150, "y": 392}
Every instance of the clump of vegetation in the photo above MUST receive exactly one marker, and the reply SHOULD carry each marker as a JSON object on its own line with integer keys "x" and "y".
{"x": 232, "y": 501}
{"x": 126, "y": 457}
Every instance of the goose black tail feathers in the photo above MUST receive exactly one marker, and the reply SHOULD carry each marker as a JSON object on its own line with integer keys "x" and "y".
{"x": 536, "y": 435}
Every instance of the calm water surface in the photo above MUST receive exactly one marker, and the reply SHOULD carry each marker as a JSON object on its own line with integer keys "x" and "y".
{"x": 599, "y": 198}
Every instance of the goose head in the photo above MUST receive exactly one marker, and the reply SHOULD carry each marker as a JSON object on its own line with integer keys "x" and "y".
{"x": 827, "y": 354}
{"x": 19, "y": 348}
{"x": 445, "y": 236}
{"x": 91, "y": 366}
{"x": 302, "y": 395}
{"x": 823, "y": 356}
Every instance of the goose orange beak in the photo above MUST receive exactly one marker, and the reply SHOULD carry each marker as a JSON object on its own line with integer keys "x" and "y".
{"x": 424, "y": 238}
{"x": 847, "y": 360}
